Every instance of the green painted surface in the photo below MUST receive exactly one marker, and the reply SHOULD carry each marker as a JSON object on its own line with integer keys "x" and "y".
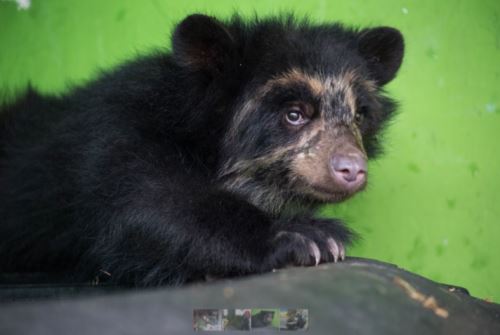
{"x": 432, "y": 205}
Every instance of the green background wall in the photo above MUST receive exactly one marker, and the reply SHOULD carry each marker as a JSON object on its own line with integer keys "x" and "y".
{"x": 432, "y": 205}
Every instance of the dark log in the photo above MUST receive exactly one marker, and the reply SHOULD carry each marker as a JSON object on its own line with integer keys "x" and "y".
{"x": 357, "y": 296}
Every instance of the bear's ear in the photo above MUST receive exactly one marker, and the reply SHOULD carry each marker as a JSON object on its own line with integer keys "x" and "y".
{"x": 383, "y": 49}
{"x": 201, "y": 43}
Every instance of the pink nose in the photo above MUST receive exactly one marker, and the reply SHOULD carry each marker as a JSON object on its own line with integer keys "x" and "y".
{"x": 349, "y": 170}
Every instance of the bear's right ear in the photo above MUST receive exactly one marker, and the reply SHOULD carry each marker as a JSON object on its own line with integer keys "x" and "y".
{"x": 383, "y": 49}
{"x": 201, "y": 43}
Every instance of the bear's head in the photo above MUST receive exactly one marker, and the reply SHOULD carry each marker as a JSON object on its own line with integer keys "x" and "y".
{"x": 308, "y": 104}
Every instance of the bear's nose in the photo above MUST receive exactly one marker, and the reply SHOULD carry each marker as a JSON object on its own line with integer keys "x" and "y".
{"x": 349, "y": 170}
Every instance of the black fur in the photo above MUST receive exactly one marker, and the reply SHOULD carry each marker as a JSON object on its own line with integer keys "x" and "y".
{"x": 122, "y": 174}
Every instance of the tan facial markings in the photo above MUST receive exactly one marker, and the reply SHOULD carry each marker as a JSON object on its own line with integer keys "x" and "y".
{"x": 325, "y": 87}
{"x": 238, "y": 175}
{"x": 307, "y": 158}
{"x": 342, "y": 86}
{"x": 293, "y": 76}
{"x": 359, "y": 140}
{"x": 312, "y": 161}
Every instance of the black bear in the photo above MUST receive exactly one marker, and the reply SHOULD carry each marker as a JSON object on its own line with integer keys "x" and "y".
{"x": 204, "y": 161}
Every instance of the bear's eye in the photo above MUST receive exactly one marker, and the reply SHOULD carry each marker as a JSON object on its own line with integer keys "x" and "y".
{"x": 296, "y": 116}
{"x": 358, "y": 118}
{"x": 360, "y": 114}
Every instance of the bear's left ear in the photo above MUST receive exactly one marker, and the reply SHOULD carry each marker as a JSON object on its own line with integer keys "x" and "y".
{"x": 383, "y": 49}
{"x": 201, "y": 43}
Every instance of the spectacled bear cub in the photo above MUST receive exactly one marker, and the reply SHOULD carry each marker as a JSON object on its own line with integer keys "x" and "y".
{"x": 208, "y": 160}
